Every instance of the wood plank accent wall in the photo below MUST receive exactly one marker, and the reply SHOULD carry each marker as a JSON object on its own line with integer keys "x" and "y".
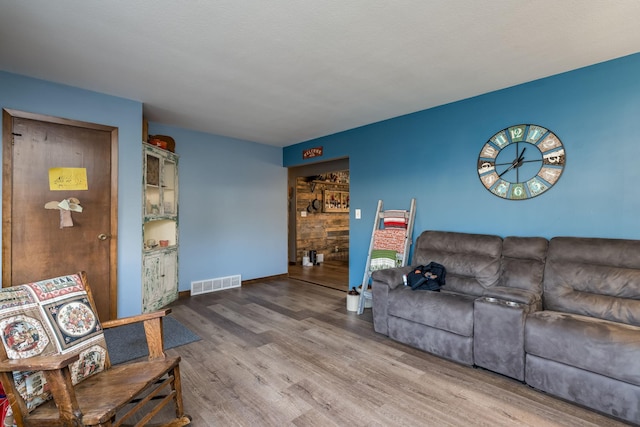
{"x": 326, "y": 233}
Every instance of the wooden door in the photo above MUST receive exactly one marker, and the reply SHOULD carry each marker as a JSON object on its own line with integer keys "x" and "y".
{"x": 45, "y": 160}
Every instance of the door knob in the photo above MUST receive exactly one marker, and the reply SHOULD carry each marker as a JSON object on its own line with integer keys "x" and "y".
{"x": 103, "y": 236}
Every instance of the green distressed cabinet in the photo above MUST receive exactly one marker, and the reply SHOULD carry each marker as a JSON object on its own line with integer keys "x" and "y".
{"x": 159, "y": 228}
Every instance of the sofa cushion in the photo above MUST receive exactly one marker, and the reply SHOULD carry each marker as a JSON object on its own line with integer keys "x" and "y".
{"x": 432, "y": 340}
{"x": 594, "y": 277}
{"x": 601, "y": 393}
{"x": 442, "y": 310}
{"x": 523, "y": 260}
{"x": 600, "y": 346}
{"x": 472, "y": 260}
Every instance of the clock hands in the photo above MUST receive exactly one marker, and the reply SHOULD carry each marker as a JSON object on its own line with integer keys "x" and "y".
{"x": 516, "y": 163}
{"x": 506, "y": 170}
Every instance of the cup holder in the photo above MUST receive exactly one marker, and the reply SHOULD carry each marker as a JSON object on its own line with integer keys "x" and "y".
{"x": 502, "y": 302}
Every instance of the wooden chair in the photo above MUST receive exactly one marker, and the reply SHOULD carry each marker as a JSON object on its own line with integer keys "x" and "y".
{"x": 85, "y": 389}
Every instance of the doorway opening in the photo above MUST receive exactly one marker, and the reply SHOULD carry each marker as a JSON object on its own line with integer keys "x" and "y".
{"x": 319, "y": 223}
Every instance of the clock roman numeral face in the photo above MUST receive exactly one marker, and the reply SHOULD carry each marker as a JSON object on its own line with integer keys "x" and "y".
{"x": 521, "y": 162}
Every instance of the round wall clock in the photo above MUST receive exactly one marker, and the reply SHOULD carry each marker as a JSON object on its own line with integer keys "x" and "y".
{"x": 521, "y": 162}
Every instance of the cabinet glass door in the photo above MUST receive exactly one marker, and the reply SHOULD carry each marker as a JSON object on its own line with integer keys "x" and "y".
{"x": 169, "y": 188}
{"x": 152, "y": 191}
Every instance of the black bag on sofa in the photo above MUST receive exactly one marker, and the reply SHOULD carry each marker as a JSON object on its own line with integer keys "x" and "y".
{"x": 430, "y": 277}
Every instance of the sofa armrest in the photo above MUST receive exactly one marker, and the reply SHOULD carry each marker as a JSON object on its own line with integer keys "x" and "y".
{"x": 521, "y": 296}
{"x": 392, "y": 277}
{"x": 382, "y": 282}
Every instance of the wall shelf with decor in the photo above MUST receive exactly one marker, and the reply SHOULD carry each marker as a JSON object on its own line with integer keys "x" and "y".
{"x": 335, "y": 201}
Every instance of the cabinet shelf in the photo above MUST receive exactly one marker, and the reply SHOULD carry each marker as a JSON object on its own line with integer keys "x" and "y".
{"x": 164, "y": 187}
{"x": 159, "y": 248}
{"x": 339, "y": 184}
{"x": 151, "y": 218}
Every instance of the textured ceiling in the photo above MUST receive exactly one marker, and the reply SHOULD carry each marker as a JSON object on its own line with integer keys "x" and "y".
{"x": 284, "y": 71}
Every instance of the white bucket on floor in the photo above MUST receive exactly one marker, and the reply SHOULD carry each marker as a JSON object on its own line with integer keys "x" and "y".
{"x": 368, "y": 303}
{"x": 352, "y": 302}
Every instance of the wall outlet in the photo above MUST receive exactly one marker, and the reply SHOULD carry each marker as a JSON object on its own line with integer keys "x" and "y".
{"x": 303, "y": 213}
{"x": 358, "y": 214}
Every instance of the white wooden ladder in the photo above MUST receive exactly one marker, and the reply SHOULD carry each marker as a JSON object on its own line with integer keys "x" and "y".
{"x": 403, "y": 258}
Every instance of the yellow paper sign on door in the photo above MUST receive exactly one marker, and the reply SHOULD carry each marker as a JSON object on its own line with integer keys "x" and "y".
{"x": 68, "y": 179}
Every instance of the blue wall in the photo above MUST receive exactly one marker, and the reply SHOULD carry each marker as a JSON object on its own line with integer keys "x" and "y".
{"x": 233, "y": 207}
{"x": 233, "y": 203}
{"x": 431, "y": 155}
{"x": 37, "y": 96}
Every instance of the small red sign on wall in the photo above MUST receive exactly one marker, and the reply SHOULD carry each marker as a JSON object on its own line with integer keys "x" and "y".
{"x": 311, "y": 152}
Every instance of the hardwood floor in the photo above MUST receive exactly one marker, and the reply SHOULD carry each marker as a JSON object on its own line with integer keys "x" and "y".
{"x": 286, "y": 352}
{"x": 333, "y": 274}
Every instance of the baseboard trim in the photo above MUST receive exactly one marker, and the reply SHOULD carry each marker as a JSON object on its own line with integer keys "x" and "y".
{"x": 262, "y": 279}
{"x": 187, "y": 293}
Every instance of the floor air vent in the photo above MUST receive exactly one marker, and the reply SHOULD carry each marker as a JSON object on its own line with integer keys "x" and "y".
{"x": 217, "y": 284}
